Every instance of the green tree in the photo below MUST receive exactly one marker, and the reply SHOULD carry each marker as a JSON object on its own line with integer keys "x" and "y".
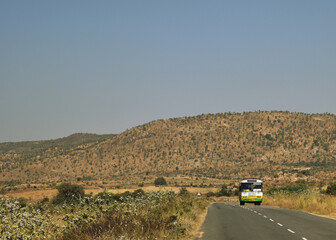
{"x": 68, "y": 193}
{"x": 331, "y": 189}
{"x": 224, "y": 191}
{"x": 160, "y": 181}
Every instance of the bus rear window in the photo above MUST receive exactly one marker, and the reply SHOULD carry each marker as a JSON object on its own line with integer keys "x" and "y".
{"x": 245, "y": 186}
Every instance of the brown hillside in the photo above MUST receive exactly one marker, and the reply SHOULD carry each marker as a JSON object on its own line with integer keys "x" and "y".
{"x": 226, "y": 146}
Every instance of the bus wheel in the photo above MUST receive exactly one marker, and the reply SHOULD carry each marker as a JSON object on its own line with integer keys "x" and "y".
{"x": 242, "y": 203}
{"x": 257, "y": 203}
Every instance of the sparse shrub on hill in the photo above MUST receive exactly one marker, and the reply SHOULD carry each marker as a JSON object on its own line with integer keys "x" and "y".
{"x": 331, "y": 189}
{"x": 211, "y": 146}
{"x": 161, "y": 181}
{"x": 68, "y": 193}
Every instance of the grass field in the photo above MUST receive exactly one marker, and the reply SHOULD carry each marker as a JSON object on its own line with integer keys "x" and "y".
{"x": 35, "y": 195}
{"x": 312, "y": 202}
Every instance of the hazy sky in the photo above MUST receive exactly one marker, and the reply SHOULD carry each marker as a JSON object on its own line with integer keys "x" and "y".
{"x": 105, "y": 66}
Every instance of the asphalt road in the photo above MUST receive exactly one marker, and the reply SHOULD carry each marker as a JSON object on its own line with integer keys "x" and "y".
{"x": 226, "y": 221}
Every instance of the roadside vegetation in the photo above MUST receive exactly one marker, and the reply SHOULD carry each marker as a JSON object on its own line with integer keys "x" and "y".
{"x": 301, "y": 196}
{"x": 130, "y": 215}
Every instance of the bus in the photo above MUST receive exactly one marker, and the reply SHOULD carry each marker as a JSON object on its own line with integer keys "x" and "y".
{"x": 251, "y": 191}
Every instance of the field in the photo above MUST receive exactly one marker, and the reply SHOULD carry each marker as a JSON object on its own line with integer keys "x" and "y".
{"x": 309, "y": 201}
{"x": 137, "y": 215}
{"x": 35, "y": 195}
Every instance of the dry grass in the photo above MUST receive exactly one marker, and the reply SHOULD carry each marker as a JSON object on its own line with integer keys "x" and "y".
{"x": 198, "y": 224}
{"x": 316, "y": 203}
{"x": 35, "y": 195}
{"x": 166, "y": 188}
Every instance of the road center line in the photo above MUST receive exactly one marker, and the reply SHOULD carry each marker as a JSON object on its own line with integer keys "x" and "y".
{"x": 289, "y": 230}
{"x": 271, "y": 220}
{"x": 265, "y": 216}
{"x": 304, "y": 238}
{"x": 259, "y": 213}
{"x": 280, "y": 224}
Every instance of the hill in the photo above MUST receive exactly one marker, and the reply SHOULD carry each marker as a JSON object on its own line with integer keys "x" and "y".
{"x": 223, "y": 146}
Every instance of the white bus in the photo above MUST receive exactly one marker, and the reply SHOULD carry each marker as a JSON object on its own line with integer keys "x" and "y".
{"x": 251, "y": 191}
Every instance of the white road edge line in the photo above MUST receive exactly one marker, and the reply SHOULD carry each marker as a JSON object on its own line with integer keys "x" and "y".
{"x": 289, "y": 230}
{"x": 280, "y": 224}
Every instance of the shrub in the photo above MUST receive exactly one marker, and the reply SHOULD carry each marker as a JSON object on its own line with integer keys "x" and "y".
{"x": 3, "y": 190}
{"x": 297, "y": 187}
{"x": 224, "y": 191}
{"x": 160, "y": 181}
{"x": 210, "y": 194}
{"x": 331, "y": 189}
{"x": 22, "y": 202}
{"x": 183, "y": 192}
{"x": 138, "y": 193}
{"x": 68, "y": 193}
{"x": 44, "y": 200}
{"x": 107, "y": 197}
{"x": 126, "y": 194}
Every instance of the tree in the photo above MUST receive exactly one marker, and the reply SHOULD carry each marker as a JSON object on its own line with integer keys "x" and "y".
{"x": 160, "y": 181}
{"x": 331, "y": 189}
{"x": 68, "y": 193}
{"x": 224, "y": 191}
{"x": 183, "y": 192}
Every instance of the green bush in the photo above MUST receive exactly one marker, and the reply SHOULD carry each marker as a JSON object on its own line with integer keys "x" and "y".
{"x": 108, "y": 197}
{"x": 183, "y": 192}
{"x": 68, "y": 193}
{"x": 44, "y": 200}
{"x": 297, "y": 187}
{"x": 160, "y": 181}
{"x": 138, "y": 193}
{"x": 3, "y": 190}
{"x": 331, "y": 189}
{"x": 224, "y": 191}
{"x": 22, "y": 202}
{"x": 211, "y": 194}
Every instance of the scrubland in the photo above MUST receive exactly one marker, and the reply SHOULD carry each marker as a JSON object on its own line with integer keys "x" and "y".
{"x": 225, "y": 146}
{"x": 137, "y": 215}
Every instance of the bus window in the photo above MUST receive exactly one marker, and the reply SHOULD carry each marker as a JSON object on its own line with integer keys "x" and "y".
{"x": 246, "y": 186}
{"x": 258, "y": 186}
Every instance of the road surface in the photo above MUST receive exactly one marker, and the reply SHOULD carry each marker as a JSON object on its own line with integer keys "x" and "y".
{"x": 226, "y": 221}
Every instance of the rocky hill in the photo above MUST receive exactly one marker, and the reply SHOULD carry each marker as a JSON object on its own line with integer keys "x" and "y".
{"x": 222, "y": 146}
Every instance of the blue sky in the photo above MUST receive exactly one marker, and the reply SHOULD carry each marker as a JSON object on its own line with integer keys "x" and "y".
{"x": 105, "y": 66}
